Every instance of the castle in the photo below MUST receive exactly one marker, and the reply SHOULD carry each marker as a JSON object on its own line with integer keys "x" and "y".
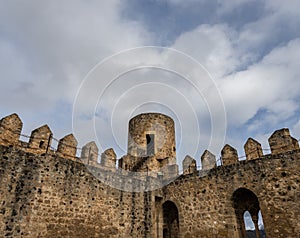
{"x": 49, "y": 192}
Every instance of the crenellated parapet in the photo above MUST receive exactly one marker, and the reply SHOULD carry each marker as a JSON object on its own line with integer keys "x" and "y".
{"x": 280, "y": 142}
{"x": 41, "y": 138}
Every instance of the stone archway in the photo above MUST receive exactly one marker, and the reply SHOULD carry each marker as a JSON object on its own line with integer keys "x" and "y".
{"x": 245, "y": 200}
{"x": 170, "y": 220}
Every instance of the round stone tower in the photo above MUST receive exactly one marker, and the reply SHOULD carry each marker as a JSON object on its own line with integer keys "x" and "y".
{"x": 152, "y": 134}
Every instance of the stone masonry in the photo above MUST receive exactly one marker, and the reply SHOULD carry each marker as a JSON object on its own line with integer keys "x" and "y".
{"x": 46, "y": 192}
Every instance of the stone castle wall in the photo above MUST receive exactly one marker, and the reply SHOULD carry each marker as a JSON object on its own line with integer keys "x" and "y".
{"x": 205, "y": 199}
{"x": 50, "y": 196}
{"x": 52, "y": 193}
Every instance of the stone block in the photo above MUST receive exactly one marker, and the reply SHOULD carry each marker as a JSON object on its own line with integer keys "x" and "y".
{"x": 109, "y": 159}
{"x": 229, "y": 155}
{"x": 89, "y": 153}
{"x": 189, "y": 165}
{"x": 208, "y": 160}
{"x": 67, "y": 147}
{"x": 253, "y": 149}
{"x": 40, "y": 138}
{"x": 281, "y": 141}
{"x": 10, "y": 129}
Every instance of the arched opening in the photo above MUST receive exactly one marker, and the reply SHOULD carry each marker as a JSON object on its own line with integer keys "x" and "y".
{"x": 170, "y": 220}
{"x": 248, "y": 214}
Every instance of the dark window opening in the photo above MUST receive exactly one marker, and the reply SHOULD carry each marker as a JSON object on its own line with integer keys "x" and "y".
{"x": 150, "y": 144}
{"x": 41, "y": 144}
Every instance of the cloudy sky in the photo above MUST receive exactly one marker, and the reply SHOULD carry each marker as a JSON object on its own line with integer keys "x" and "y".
{"x": 58, "y": 59}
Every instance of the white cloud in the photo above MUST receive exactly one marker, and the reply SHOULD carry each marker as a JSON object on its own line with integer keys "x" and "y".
{"x": 271, "y": 84}
{"x": 212, "y": 46}
{"x": 47, "y": 48}
{"x": 254, "y": 66}
{"x": 54, "y": 44}
{"x": 278, "y": 24}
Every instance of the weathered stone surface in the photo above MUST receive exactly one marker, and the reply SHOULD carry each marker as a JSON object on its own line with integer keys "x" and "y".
{"x": 89, "y": 153}
{"x": 152, "y": 135}
{"x": 67, "y": 146}
{"x": 109, "y": 159}
{"x": 211, "y": 213}
{"x": 10, "y": 129}
{"x": 189, "y": 165}
{"x": 170, "y": 171}
{"x": 208, "y": 160}
{"x": 253, "y": 149}
{"x": 40, "y": 139}
{"x": 151, "y": 146}
{"x": 229, "y": 155}
{"x": 281, "y": 141}
{"x": 63, "y": 199}
{"x": 44, "y": 195}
